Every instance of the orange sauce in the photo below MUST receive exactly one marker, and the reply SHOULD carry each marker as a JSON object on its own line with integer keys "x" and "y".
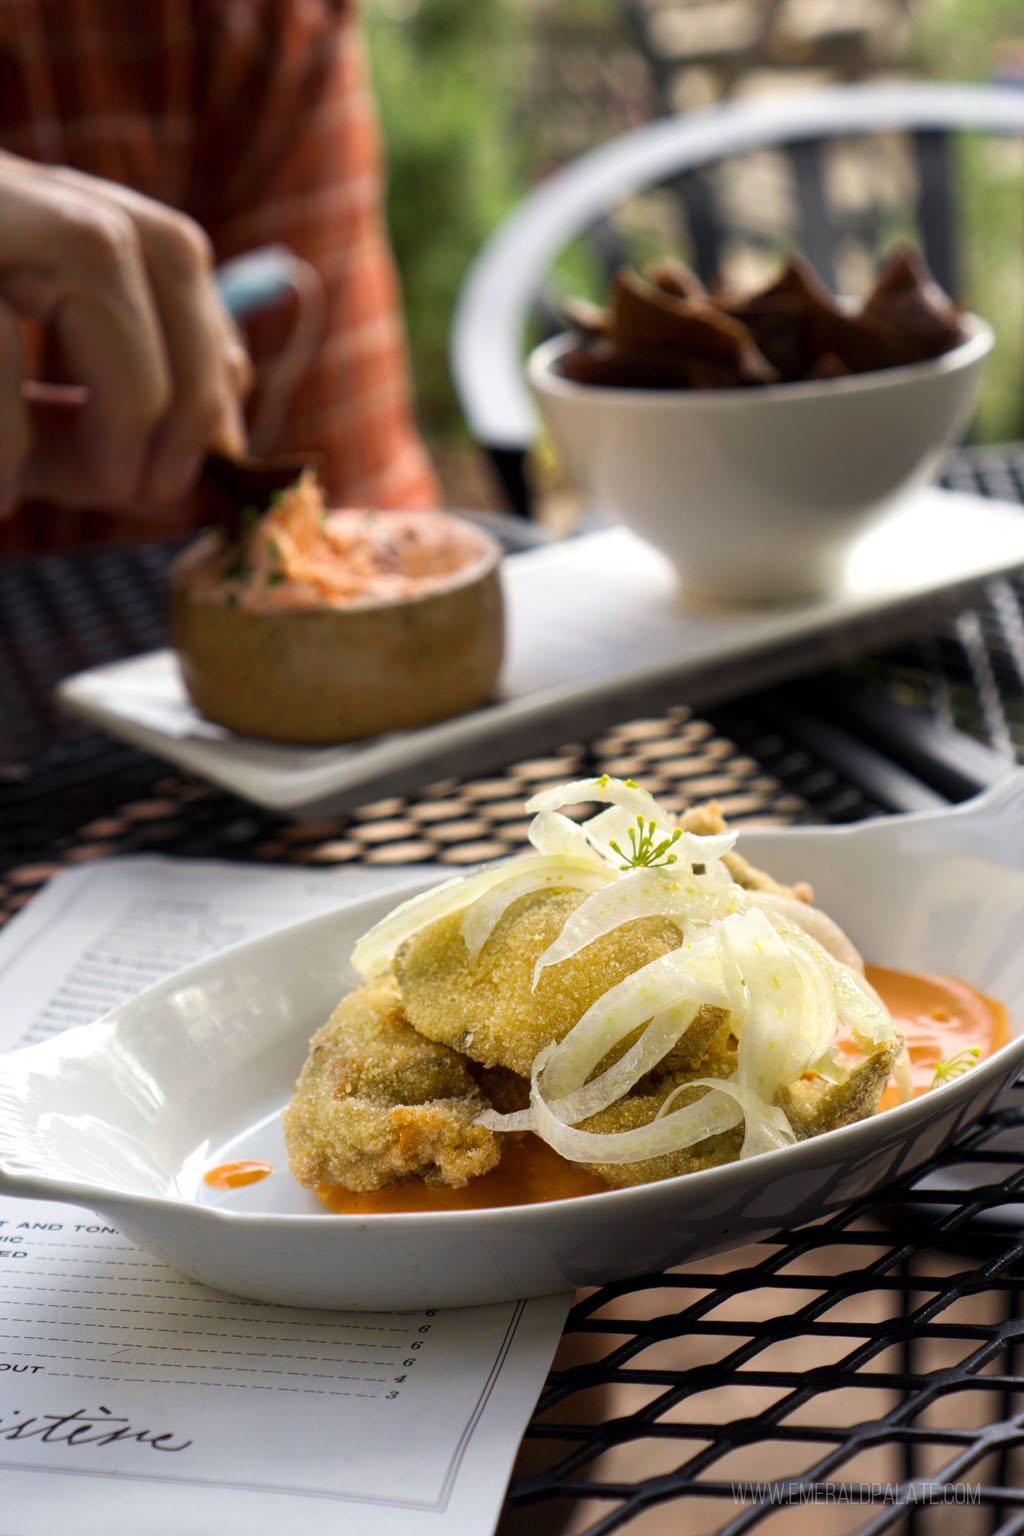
{"x": 529, "y": 1172}
{"x": 234, "y": 1175}
{"x": 940, "y": 1016}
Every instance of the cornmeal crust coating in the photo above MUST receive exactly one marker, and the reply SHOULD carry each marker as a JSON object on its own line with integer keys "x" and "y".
{"x": 375, "y": 1102}
{"x": 488, "y": 1008}
{"x": 640, "y": 1109}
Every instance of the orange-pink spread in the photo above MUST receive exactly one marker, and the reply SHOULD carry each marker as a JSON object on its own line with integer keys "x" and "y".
{"x": 300, "y": 554}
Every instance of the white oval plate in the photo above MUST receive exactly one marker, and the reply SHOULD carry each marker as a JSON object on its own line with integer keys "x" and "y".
{"x": 126, "y": 1114}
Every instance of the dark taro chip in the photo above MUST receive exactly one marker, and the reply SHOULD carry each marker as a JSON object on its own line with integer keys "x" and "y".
{"x": 714, "y": 373}
{"x": 617, "y": 367}
{"x": 649, "y": 319}
{"x": 800, "y": 285}
{"x": 908, "y": 300}
{"x": 675, "y": 278}
{"x": 635, "y": 368}
{"x": 861, "y": 342}
{"x": 827, "y": 366}
{"x": 789, "y": 317}
{"x": 782, "y": 332}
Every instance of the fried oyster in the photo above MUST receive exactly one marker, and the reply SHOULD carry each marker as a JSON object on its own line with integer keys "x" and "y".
{"x": 376, "y": 1102}
{"x": 488, "y": 1007}
{"x": 616, "y": 1003}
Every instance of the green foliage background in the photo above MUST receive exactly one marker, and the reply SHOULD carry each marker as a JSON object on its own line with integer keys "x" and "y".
{"x": 964, "y": 40}
{"x": 444, "y": 74}
{"x": 449, "y": 74}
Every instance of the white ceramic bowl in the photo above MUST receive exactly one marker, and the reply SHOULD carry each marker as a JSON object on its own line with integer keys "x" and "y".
{"x": 126, "y": 1114}
{"x": 758, "y": 495}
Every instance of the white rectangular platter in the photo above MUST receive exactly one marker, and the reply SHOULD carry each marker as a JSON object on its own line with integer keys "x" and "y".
{"x": 597, "y": 632}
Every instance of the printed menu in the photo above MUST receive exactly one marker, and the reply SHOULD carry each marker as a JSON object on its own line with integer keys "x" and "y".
{"x": 134, "y": 1399}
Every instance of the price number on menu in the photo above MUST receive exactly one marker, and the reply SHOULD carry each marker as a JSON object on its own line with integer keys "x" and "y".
{"x": 412, "y": 1349}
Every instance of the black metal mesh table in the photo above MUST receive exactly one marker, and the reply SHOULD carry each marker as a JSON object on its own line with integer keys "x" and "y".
{"x": 860, "y": 1374}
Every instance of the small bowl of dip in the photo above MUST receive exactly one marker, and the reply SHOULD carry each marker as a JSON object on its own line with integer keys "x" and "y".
{"x": 328, "y": 625}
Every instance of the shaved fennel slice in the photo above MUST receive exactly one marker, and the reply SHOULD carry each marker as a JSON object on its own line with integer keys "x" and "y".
{"x": 726, "y": 1102}
{"x": 516, "y": 1120}
{"x": 814, "y": 922}
{"x": 374, "y": 952}
{"x": 687, "y": 974}
{"x": 819, "y": 1018}
{"x": 661, "y": 1034}
{"x": 766, "y": 1126}
{"x": 551, "y": 832}
{"x": 792, "y": 1011}
{"x": 712, "y": 1113}
{"x": 656, "y": 892}
{"x": 732, "y": 977}
{"x": 783, "y": 1028}
{"x": 630, "y": 797}
{"x": 483, "y": 915}
{"x": 858, "y": 1004}
{"x": 791, "y": 1016}
{"x": 827, "y": 1066}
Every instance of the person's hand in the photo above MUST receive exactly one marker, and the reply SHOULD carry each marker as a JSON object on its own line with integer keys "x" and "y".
{"x": 144, "y": 370}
